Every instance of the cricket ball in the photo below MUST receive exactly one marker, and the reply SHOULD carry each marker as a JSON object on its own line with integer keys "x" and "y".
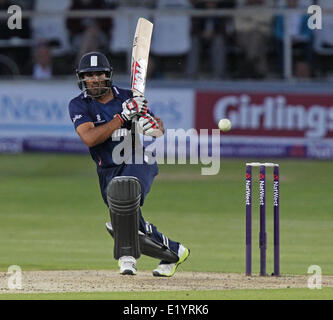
{"x": 224, "y": 125}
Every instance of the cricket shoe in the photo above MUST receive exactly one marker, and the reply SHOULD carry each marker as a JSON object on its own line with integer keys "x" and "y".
{"x": 166, "y": 269}
{"x": 127, "y": 265}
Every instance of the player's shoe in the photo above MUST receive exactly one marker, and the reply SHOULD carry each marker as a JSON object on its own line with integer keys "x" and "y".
{"x": 127, "y": 265}
{"x": 165, "y": 269}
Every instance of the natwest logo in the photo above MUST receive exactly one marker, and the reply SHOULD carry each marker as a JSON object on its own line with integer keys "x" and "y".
{"x": 268, "y": 114}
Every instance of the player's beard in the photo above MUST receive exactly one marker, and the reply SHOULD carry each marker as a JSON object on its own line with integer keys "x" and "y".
{"x": 98, "y": 90}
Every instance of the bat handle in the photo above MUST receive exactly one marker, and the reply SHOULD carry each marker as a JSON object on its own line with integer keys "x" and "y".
{"x": 136, "y": 118}
{"x": 134, "y": 121}
{"x": 133, "y": 131}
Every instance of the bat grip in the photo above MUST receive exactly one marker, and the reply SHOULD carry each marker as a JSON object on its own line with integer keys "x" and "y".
{"x": 133, "y": 129}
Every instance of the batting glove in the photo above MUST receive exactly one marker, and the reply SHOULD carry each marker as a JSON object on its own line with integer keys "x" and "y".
{"x": 148, "y": 126}
{"x": 134, "y": 107}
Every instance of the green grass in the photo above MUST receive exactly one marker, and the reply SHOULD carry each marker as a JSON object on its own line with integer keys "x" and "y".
{"x": 52, "y": 215}
{"x": 266, "y": 294}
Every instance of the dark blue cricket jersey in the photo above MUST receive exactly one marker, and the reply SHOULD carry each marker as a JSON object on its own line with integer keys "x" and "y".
{"x": 85, "y": 109}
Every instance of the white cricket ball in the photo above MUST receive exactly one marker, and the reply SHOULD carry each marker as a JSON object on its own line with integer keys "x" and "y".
{"x": 224, "y": 125}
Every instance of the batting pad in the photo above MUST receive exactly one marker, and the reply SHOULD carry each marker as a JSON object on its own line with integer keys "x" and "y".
{"x": 124, "y": 195}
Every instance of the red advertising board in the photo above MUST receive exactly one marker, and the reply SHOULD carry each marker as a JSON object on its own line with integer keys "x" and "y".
{"x": 307, "y": 116}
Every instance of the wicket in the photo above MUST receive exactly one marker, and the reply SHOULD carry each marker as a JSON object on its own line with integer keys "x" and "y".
{"x": 262, "y": 209}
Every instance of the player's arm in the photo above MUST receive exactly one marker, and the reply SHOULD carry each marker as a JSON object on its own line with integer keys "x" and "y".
{"x": 93, "y": 136}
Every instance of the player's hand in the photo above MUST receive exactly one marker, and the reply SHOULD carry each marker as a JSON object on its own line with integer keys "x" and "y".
{"x": 149, "y": 126}
{"x": 134, "y": 107}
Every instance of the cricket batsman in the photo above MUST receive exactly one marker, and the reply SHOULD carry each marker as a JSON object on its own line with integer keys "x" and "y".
{"x": 102, "y": 116}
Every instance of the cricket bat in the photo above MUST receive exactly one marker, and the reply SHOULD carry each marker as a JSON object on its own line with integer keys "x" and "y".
{"x": 139, "y": 62}
{"x": 140, "y": 56}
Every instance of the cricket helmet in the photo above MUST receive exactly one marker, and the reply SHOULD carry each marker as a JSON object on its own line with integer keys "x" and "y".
{"x": 94, "y": 62}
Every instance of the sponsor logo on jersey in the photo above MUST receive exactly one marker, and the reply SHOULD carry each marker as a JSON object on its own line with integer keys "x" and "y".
{"x": 78, "y": 116}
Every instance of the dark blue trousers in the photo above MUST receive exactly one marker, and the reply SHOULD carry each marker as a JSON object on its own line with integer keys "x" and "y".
{"x": 146, "y": 174}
